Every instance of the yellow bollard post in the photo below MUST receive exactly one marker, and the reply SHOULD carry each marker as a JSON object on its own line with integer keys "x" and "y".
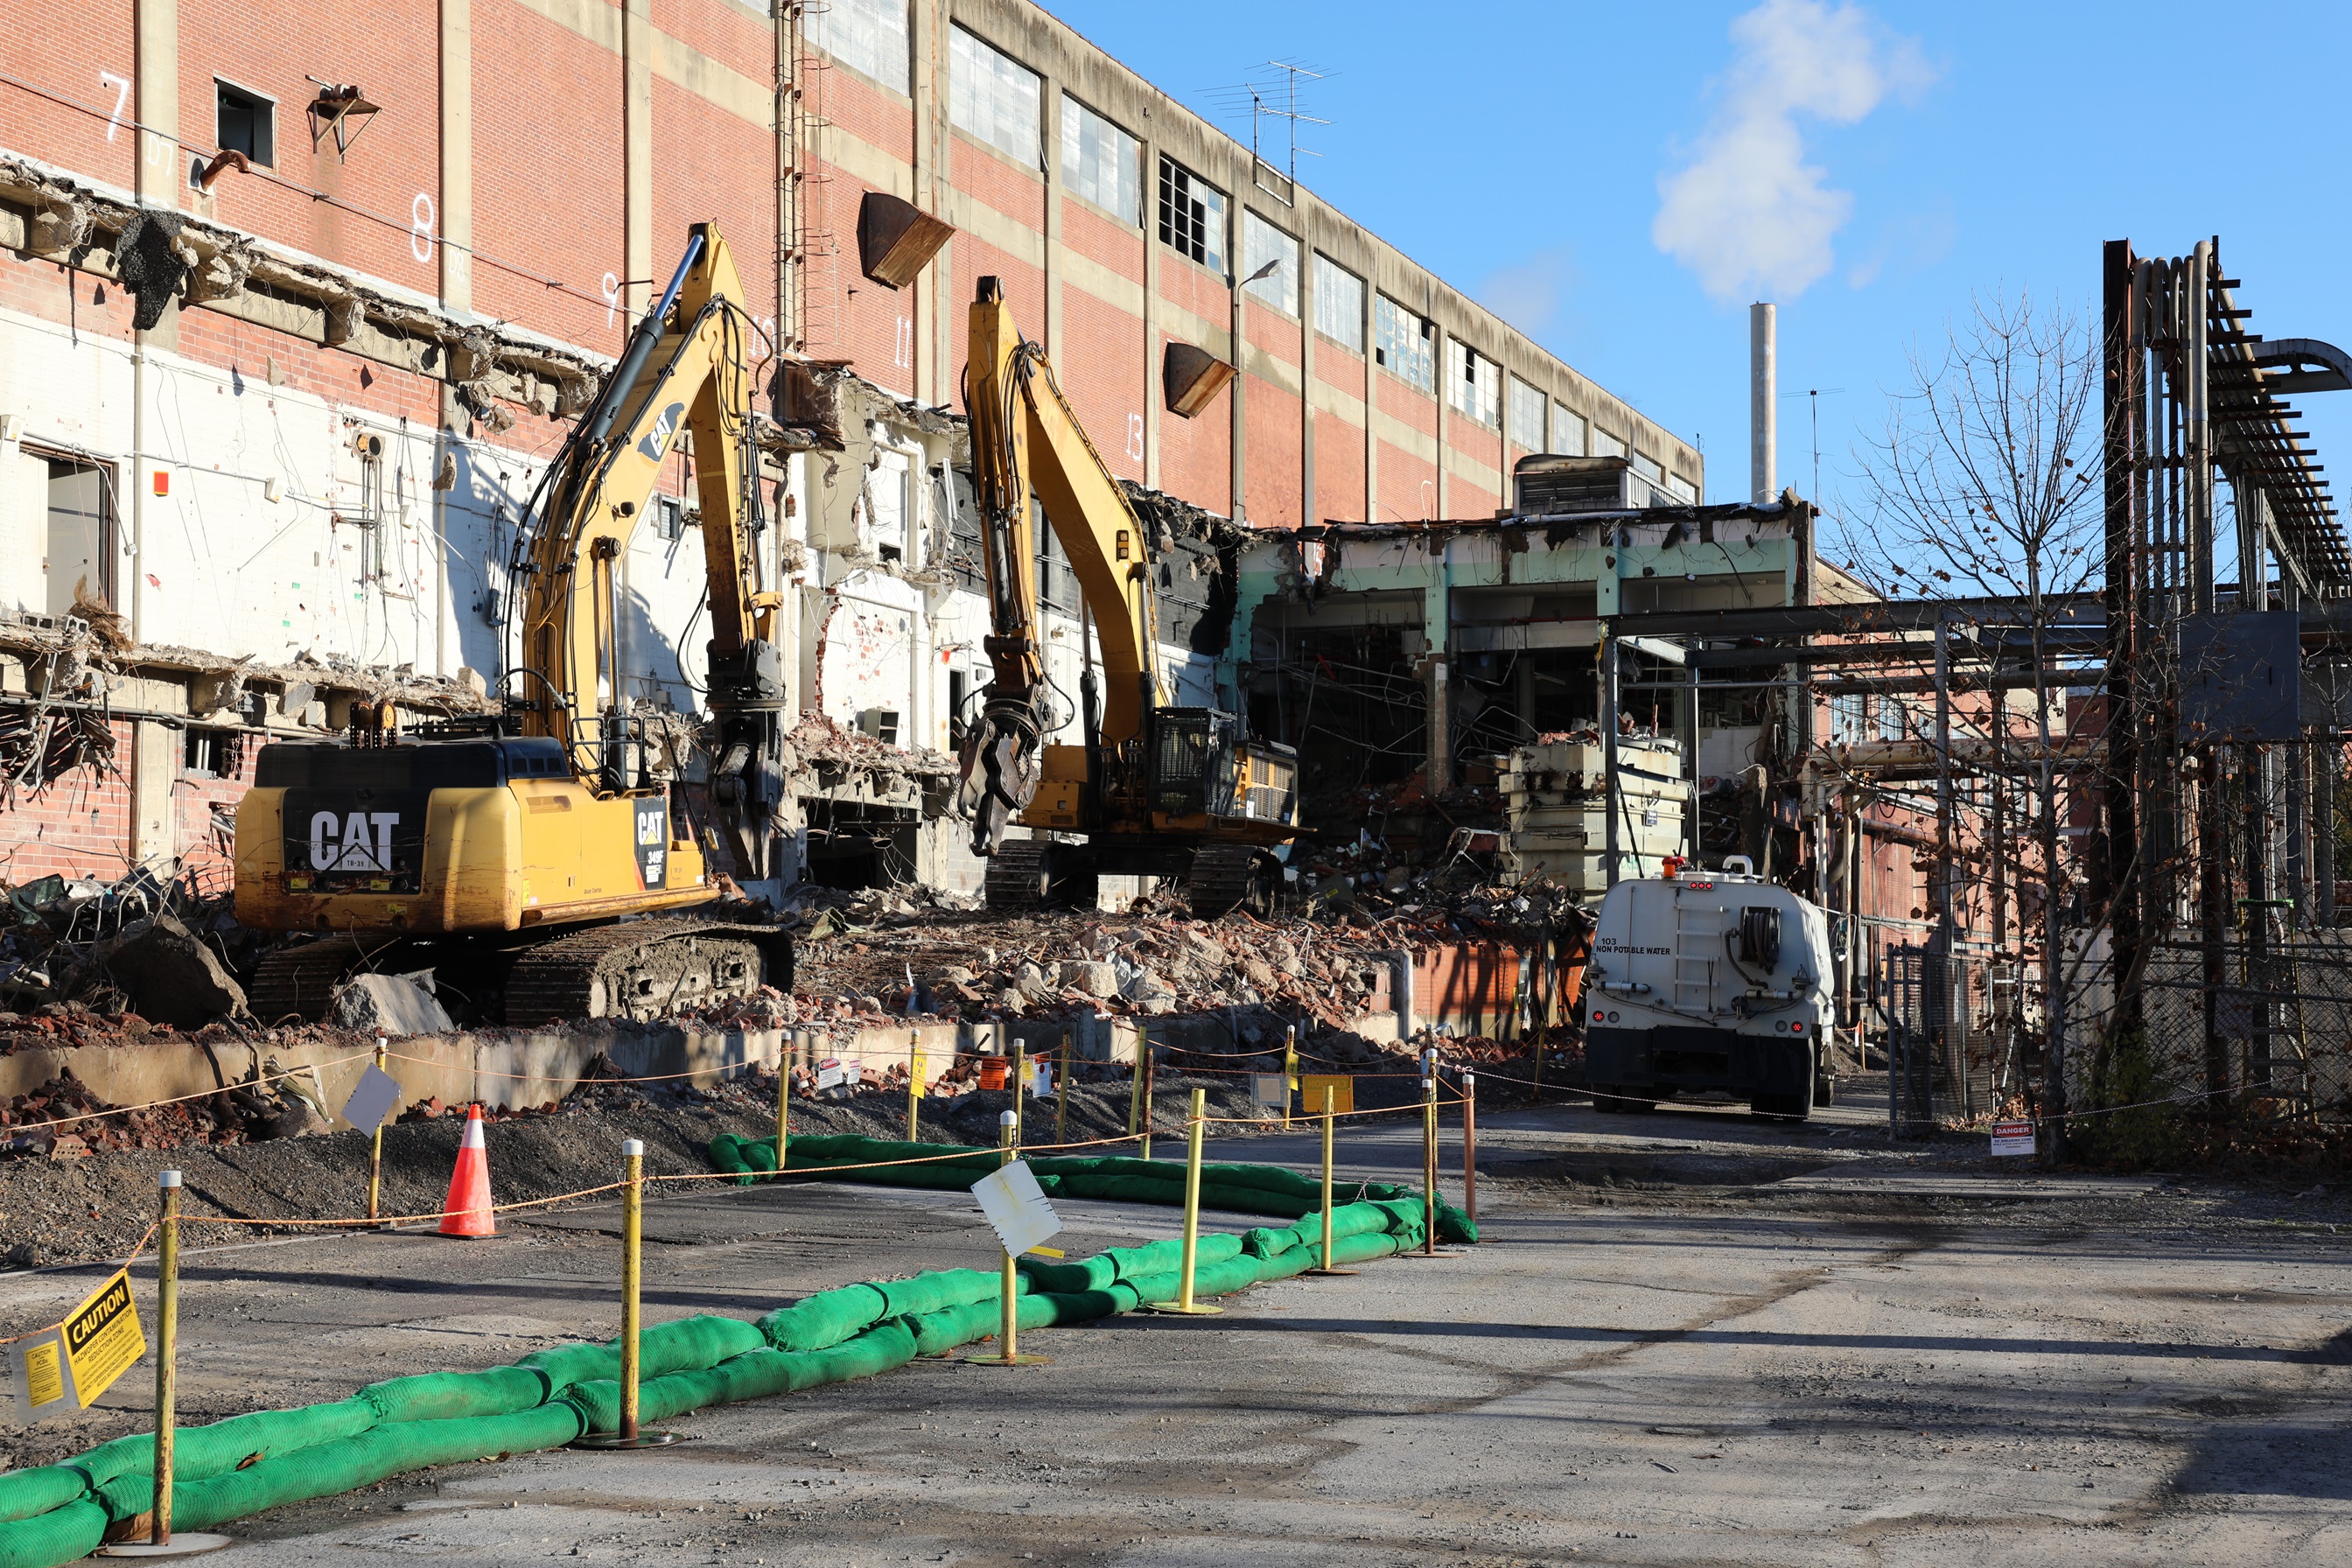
{"x": 1008, "y": 1330}
{"x": 375, "y": 1157}
{"x": 1151, "y": 1063}
{"x": 1062, "y": 1092}
{"x": 1020, "y": 1096}
{"x": 1184, "y": 1302}
{"x": 161, "y": 1541}
{"x": 1470, "y": 1145}
{"x": 914, "y": 1086}
{"x": 167, "y": 1348}
{"x": 1429, "y": 1165}
{"x": 1135, "y": 1078}
{"x": 1289, "y": 1072}
{"x": 633, "y": 1216}
{"x": 785, "y": 1096}
{"x": 1330, "y": 1118}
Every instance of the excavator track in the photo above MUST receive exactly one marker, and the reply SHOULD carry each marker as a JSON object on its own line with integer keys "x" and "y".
{"x": 1228, "y": 877}
{"x": 300, "y": 981}
{"x": 1016, "y": 875}
{"x": 641, "y": 970}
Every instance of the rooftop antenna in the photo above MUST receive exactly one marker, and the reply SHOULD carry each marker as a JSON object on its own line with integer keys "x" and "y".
{"x": 1813, "y": 395}
{"x": 1266, "y": 97}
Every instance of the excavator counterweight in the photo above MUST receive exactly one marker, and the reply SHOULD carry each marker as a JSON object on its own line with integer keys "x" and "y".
{"x": 512, "y": 854}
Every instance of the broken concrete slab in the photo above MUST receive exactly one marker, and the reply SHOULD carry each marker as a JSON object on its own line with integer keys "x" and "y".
{"x": 395, "y": 1005}
{"x": 172, "y": 975}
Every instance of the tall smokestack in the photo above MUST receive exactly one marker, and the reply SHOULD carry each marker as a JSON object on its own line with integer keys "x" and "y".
{"x": 1763, "y": 428}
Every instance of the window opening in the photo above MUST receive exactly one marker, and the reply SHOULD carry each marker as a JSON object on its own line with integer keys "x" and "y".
{"x": 1191, "y": 216}
{"x": 244, "y": 123}
{"x": 995, "y": 98}
{"x": 1403, "y": 342}
{"x": 1527, "y": 416}
{"x": 1472, "y": 382}
{"x": 1567, "y": 432}
{"x": 81, "y": 533}
{"x": 1101, "y": 162}
{"x": 1338, "y": 303}
{"x": 1263, "y": 243}
{"x": 867, "y": 36}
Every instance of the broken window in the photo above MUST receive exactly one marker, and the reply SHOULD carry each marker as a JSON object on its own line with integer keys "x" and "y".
{"x": 214, "y": 754}
{"x": 1191, "y": 216}
{"x": 1339, "y": 304}
{"x": 1894, "y": 719}
{"x": 867, "y": 36}
{"x": 886, "y": 489}
{"x": 1402, "y": 341}
{"x": 1527, "y": 416}
{"x": 995, "y": 98}
{"x": 1472, "y": 382}
{"x": 244, "y": 123}
{"x": 668, "y": 517}
{"x": 1263, "y": 243}
{"x": 1567, "y": 432}
{"x": 80, "y": 555}
{"x": 1101, "y": 162}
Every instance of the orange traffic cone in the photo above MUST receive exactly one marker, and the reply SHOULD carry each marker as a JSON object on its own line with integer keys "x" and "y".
{"x": 466, "y": 1210}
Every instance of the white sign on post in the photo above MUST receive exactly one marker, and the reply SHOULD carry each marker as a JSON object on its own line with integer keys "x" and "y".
{"x": 45, "y": 1385}
{"x": 372, "y": 1100}
{"x": 1041, "y": 1079}
{"x": 1016, "y": 1207}
{"x": 1269, "y": 1089}
{"x": 2012, "y": 1137}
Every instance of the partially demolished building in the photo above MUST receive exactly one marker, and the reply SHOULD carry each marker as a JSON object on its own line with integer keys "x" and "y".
{"x": 290, "y": 323}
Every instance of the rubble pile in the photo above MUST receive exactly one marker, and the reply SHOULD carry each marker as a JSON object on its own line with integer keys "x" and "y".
{"x": 37, "y": 1122}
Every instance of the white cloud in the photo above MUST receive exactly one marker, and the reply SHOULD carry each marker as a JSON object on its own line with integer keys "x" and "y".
{"x": 1749, "y": 214}
{"x": 1529, "y": 294}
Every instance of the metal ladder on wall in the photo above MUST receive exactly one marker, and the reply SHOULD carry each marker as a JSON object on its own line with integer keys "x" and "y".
{"x": 1694, "y": 977}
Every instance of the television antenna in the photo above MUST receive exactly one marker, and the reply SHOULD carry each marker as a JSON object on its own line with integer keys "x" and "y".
{"x": 1273, "y": 97}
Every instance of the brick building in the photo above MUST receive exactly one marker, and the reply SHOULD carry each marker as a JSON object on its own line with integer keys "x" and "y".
{"x": 296, "y": 304}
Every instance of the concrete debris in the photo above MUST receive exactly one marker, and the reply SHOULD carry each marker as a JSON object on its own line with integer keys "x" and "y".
{"x": 170, "y": 975}
{"x": 395, "y": 1005}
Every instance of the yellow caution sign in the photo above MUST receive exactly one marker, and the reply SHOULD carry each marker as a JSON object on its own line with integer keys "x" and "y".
{"x": 1343, "y": 1087}
{"x": 102, "y": 1338}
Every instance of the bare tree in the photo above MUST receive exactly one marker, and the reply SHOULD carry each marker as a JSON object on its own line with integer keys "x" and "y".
{"x": 1984, "y": 481}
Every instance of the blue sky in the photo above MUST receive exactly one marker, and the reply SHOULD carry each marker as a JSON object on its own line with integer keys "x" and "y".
{"x": 1519, "y": 150}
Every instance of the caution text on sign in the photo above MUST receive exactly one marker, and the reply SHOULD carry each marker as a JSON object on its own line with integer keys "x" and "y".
{"x": 102, "y": 1338}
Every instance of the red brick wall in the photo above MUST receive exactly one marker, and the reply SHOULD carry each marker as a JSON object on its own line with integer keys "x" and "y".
{"x": 1338, "y": 468}
{"x": 65, "y": 52}
{"x": 1408, "y": 482}
{"x": 270, "y": 46}
{"x": 79, "y": 826}
{"x": 547, "y": 177}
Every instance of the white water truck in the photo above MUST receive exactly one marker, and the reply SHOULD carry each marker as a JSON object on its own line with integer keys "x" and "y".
{"x": 1709, "y": 981}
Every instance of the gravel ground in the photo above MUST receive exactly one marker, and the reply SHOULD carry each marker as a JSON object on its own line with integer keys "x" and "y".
{"x": 99, "y": 1208}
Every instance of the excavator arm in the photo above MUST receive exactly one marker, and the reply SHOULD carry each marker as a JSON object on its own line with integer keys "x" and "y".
{"x": 1026, "y": 441}
{"x": 684, "y": 370}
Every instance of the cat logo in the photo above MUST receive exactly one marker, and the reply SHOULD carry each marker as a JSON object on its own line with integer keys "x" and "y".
{"x": 359, "y": 842}
{"x": 656, "y": 441}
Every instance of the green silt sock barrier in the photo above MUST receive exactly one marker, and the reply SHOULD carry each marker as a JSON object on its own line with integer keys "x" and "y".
{"x": 55, "y": 1513}
{"x": 1236, "y": 1188}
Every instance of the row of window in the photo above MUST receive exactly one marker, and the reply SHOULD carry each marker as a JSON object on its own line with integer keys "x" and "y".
{"x": 996, "y": 98}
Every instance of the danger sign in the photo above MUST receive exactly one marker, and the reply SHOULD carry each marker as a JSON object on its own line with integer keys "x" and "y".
{"x": 2012, "y": 1137}
{"x": 102, "y": 1338}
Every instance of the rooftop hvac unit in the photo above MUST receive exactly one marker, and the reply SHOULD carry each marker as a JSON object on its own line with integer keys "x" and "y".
{"x": 1546, "y": 486}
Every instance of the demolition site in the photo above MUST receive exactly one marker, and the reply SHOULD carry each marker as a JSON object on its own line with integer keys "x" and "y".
{"x": 986, "y": 669}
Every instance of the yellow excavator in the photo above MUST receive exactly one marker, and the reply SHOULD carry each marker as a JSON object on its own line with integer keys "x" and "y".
{"x": 1154, "y": 790}
{"x": 530, "y": 857}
